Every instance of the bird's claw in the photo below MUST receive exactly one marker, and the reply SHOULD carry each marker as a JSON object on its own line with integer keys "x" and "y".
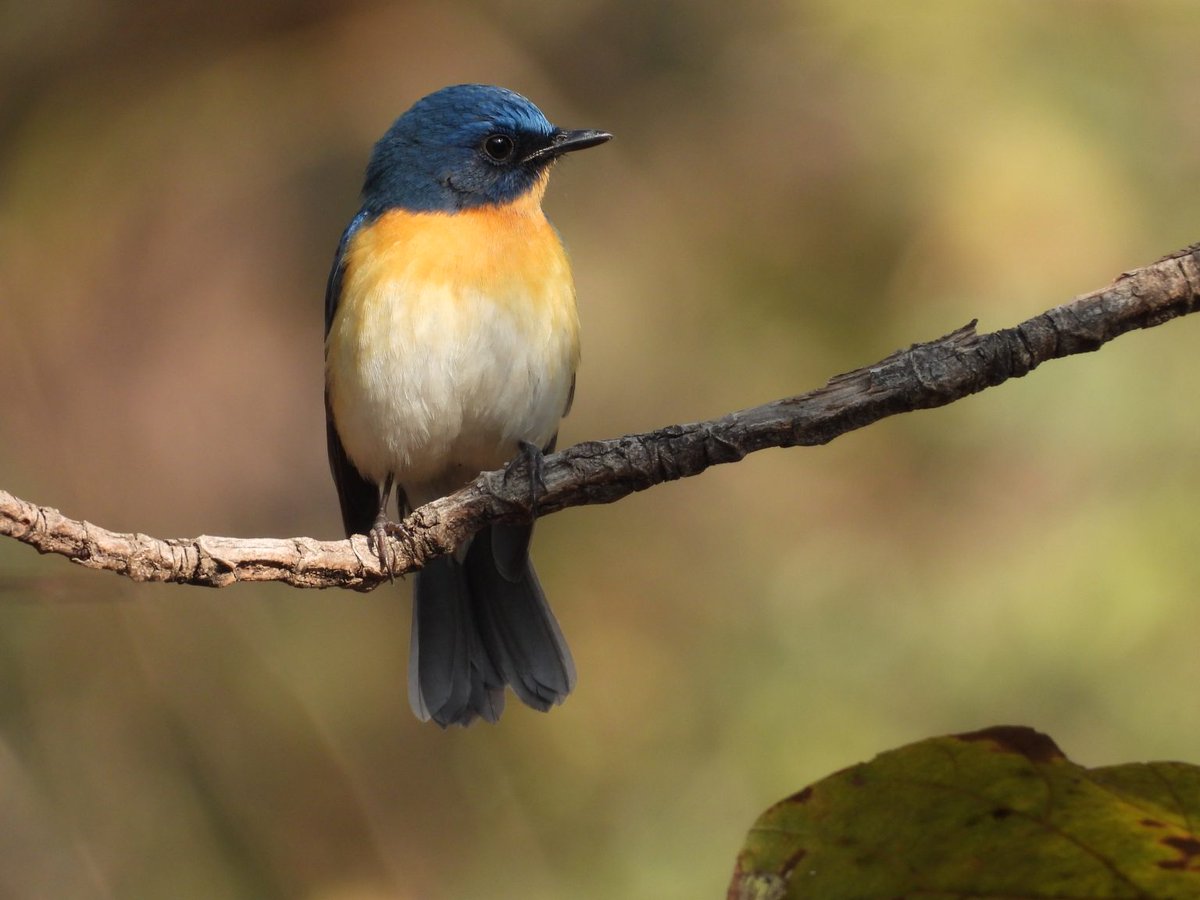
{"x": 378, "y": 537}
{"x": 531, "y": 454}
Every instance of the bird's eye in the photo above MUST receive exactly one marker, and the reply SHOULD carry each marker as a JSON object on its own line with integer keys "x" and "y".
{"x": 499, "y": 147}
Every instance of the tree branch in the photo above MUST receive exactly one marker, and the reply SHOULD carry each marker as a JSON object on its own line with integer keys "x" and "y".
{"x": 922, "y": 377}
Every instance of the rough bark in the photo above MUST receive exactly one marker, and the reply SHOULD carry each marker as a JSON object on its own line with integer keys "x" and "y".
{"x": 921, "y": 377}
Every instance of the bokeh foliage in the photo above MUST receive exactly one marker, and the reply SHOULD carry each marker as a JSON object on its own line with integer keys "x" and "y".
{"x": 796, "y": 189}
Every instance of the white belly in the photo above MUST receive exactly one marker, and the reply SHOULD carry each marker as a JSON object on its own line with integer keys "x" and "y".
{"x": 434, "y": 384}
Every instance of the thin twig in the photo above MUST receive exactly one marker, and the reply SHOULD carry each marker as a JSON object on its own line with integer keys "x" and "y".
{"x": 922, "y": 377}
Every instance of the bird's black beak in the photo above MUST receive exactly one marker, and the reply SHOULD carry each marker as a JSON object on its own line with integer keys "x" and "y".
{"x": 568, "y": 141}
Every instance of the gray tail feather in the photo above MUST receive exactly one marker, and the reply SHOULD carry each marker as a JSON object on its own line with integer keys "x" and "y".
{"x": 450, "y": 677}
{"x": 480, "y": 624}
{"x": 518, "y": 629}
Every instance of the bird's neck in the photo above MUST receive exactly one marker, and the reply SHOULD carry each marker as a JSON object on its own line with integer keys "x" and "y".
{"x": 526, "y": 205}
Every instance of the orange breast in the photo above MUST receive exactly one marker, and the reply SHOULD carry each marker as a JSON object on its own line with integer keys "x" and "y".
{"x": 511, "y": 253}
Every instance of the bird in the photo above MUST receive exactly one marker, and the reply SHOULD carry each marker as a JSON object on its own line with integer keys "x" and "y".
{"x": 451, "y": 344}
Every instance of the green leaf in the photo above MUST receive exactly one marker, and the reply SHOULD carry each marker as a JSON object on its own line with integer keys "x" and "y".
{"x": 998, "y": 813}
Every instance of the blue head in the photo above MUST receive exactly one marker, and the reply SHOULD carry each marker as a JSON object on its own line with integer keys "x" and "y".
{"x": 465, "y": 146}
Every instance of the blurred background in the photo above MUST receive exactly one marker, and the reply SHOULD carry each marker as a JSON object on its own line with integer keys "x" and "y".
{"x": 796, "y": 189}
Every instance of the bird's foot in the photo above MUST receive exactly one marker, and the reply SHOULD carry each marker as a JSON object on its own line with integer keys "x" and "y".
{"x": 378, "y": 537}
{"x": 532, "y": 456}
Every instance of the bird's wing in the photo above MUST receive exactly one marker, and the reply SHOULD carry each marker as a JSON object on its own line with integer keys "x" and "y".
{"x": 333, "y": 290}
{"x": 570, "y": 400}
{"x": 359, "y": 498}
